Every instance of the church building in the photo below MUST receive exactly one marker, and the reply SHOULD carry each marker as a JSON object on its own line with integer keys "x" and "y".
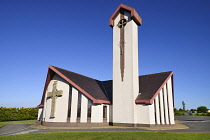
{"x": 74, "y": 100}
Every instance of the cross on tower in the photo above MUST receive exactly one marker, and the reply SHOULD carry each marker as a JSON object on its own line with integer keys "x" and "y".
{"x": 122, "y": 23}
{"x": 54, "y": 94}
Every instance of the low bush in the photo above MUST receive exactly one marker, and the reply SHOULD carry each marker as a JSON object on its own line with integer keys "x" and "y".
{"x": 17, "y": 114}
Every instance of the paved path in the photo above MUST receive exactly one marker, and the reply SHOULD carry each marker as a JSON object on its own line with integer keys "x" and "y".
{"x": 195, "y": 124}
{"x": 14, "y": 129}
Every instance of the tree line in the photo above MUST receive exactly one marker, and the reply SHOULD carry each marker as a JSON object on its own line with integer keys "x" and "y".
{"x": 17, "y": 114}
{"x": 200, "y": 111}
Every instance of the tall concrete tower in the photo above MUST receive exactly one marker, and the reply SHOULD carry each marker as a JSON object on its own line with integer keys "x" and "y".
{"x": 125, "y": 21}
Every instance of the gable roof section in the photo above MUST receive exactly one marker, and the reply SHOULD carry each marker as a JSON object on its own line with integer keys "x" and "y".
{"x": 101, "y": 91}
{"x": 91, "y": 88}
{"x": 150, "y": 86}
{"x": 134, "y": 15}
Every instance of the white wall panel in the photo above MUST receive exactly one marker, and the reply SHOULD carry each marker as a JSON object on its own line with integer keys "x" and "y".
{"x": 74, "y": 103}
{"x": 84, "y": 107}
{"x": 61, "y": 107}
{"x": 157, "y": 109}
{"x": 161, "y": 108}
{"x": 97, "y": 114}
{"x": 166, "y": 105}
{"x": 170, "y": 102}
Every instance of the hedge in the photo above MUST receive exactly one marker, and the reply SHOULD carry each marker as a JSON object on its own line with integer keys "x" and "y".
{"x": 17, "y": 114}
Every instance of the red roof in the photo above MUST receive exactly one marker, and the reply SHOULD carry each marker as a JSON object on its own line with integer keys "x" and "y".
{"x": 134, "y": 15}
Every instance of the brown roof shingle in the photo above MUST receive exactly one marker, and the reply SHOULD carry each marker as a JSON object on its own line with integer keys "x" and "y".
{"x": 101, "y": 91}
{"x": 92, "y": 86}
{"x": 150, "y": 84}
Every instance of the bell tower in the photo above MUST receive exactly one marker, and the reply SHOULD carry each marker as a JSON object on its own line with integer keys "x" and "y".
{"x": 125, "y": 21}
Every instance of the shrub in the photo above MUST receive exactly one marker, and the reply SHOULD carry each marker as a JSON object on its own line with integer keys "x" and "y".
{"x": 17, "y": 114}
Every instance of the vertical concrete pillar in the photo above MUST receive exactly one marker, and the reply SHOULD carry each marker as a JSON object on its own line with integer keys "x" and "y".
{"x": 157, "y": 109}
{"x": 162, "y": 116}
{"x": 166, "y": 105}
{"x": 74, "y": 103}
{"x": 125, "y": 64}
{"x": 170, "y": 102}
{"x": 107, "y": 113}
{"x": 84, "y": 108}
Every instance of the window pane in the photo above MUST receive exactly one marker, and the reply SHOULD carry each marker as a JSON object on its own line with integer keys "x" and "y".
{"x": 69, "y": 106}
{"x": 89, "y": 108}
{"x": 79, "y": 105}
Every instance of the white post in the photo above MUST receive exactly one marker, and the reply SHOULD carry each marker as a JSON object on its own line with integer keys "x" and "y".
{"x": 166, "y": 104}
{"x": 170, "y": 102}
{"x": 84, "y": 107}
{"x": 74, "y": 103}
{"x": 107, "y": 116}
{"x": 157, "y": 109}
{"x": 161, "y": 107}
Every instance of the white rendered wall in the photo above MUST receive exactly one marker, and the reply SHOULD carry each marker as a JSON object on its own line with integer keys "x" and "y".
{"x": 157, "y": 109}
{"x": 147, "y": 115}
{"x": 97, "y": 113}
{"x": 126, "y": 91}
{"x": 166, "y": 104}
{"x": 61, "y": 102}
{"x": 84, "y": 107}
{"x": 108, "y": 113}
{"x": 74, "y": 102}
{"x": 162, "y": 120}
{"x": 40, "y": 114}
{"x": 170, "y": 102}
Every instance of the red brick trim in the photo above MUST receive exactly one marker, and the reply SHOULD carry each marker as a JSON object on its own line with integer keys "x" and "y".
{"x": 40, "y": 106}
{"x": 150, "y": 101}
{"x": 95, "y": 101}
{"x": 134, "y": 15}
{"x": 48, "y": 78}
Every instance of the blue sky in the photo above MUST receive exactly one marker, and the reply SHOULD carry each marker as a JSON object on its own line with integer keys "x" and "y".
{"x": 75, "y": 35}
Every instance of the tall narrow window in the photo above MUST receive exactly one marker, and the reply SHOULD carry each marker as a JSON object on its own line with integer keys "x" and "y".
{"x": 169, "y": 117}
{"x": 69, "y": 104}
{"x": 79, "y": 105}
{"x": 105, "y": 112}
{"x": 89, "y": 108}
{"x": 155, "y": 111}
{"x": 159, "y": 108}
{"x": 164, "y": 105}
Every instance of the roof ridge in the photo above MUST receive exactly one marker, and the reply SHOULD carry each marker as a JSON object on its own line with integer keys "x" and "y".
{"x": 156, "y": 73}
{"x": 76, "y": 73}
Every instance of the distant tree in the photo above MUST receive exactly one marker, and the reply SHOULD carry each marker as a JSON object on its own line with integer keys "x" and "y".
{"x": 202, "y": 109}
{"x": 181, "y": 109}
{"x": 193, "y": 110}
{"x": 183, "y": 105}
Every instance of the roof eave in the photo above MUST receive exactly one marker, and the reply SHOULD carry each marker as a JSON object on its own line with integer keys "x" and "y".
{"x": 40, "y": 106}
{"x": 150, "y": 101}
{"x": 134, "y": 15}
{"x": 147, "y": 102}
{"x": 95, "y": 101}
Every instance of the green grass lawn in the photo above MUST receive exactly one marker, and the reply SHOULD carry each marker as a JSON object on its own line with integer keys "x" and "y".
{"x": 109, "y": 136}
{"x": 15, "y": 122}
